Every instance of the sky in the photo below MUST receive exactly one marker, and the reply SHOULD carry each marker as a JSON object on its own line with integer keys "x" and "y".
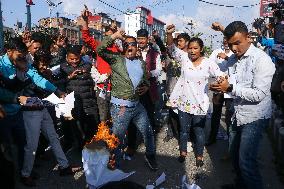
{"x": 178, "y": 12}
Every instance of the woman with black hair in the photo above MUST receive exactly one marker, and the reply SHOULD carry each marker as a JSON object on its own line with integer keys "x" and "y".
{"x": 190, "y": 95}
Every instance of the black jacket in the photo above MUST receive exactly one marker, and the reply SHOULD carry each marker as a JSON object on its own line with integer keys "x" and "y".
{"x": 83, "y": 87}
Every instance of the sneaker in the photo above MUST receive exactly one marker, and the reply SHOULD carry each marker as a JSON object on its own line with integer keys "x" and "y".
{"x": 151, "y": 161}
{"x": 28, "y": 181}
{"x": 70, "y": 170}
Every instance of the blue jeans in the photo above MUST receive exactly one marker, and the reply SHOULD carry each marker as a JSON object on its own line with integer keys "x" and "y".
{"x": 197, "y": 122}
{"x": 121, "y": 117}
{"x": 243, "y": 146}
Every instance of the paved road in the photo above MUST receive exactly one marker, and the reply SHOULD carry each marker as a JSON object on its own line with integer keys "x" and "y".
{"x": 214, "y": 173}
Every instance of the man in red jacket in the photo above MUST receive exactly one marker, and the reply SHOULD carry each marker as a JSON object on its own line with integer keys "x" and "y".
{"x": 104, "y": 86}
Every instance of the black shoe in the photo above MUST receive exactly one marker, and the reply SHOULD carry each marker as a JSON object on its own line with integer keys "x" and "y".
{"x": 28, "y": 181}
{"x": 199, "y": 163}
{"x": 181, "y": 158}
{"x": 151, "y": 161}
{"x": 70, "y": 170}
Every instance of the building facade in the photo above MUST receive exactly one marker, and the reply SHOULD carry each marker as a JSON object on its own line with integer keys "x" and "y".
{"x": 142, "y": 18}
{"x": 98, "y": 23}
{"x": 65, "y": 26}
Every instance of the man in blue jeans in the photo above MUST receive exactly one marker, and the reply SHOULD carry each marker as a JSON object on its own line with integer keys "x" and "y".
{"x": 252, "y": 70}
{"x": 129, "y": 81}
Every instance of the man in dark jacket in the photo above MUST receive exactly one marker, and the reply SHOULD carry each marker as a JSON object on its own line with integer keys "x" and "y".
{"x": 79, "y": 80}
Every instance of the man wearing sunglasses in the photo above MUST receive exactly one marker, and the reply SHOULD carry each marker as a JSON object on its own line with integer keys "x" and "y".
{"x": 129, "y": 82}
{"x": 150, "y": 100}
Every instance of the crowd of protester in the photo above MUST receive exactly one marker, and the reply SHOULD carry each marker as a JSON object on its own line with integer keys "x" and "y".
{"x": 128, "y": 80}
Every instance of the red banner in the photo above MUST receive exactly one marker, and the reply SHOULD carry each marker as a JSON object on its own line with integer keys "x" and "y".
{"x": 265, "y": 11}
{"x": 150, "y": 18}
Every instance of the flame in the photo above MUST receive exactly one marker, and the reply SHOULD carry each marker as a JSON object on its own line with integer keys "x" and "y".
{"x": 103, "y": 134}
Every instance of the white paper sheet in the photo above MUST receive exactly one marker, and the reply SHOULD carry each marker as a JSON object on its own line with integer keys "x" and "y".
{"x": 55, "y": 69}
{"x": 63, "y": 107}
{"x": 54, "y": 99}
{"x": 159, "y": 181}
{"x": 96, "y": 171}
{"x": 69, "y": 104}
{"x": 185, "y": 184}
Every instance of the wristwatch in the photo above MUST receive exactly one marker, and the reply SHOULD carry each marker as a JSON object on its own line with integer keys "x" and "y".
{"x": 230, "y": 88}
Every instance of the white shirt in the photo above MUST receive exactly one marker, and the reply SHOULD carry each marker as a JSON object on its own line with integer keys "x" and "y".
{"x": 190, "y": 93}
{"x": 217, "y": 60}
{"x": 253, "y": 74}
{"x": 214, "y": 54}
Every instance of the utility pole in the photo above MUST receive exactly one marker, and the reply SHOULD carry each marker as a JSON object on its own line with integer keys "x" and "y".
{"x": 29, "y": 17}
{"x": 1, "y": 29}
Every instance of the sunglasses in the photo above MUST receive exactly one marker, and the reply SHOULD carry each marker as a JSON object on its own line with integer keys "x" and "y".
{"x": 125, "y": 45}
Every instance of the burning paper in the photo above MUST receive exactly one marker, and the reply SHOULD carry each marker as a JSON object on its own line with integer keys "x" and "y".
{"x": 95, "y": 168}
{"x": 103, "y": 134}
{"x": 95, "y": 157}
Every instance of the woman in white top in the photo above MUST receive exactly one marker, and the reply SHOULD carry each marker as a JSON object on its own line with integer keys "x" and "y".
{"x": 190, "y": 95}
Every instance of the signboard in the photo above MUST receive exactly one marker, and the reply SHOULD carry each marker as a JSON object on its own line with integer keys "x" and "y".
{"x": 265, "y": 11}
